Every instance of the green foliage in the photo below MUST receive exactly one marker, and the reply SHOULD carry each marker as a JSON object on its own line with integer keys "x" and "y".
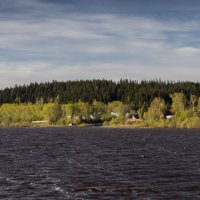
{"x": 83, "y": 109}
{"x": 119, "y": 108}
{"x": 178, "y": 102}
{"x": 117, "y": 121}
{"x": 194, "y": 122}
{"x": 98, "y": 107}
{"x": 193, "y": 100}
{"x": 20, "y": 113}
{"x": 198, "y": 104}
{"x": 185, "y": 111}
{"x": 156, "y": 109}
{"x": 52, "y": 112}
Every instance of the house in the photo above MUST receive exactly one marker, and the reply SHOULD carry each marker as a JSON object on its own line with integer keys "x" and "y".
{"x": 95, "y": 116}
{"x": 135, "y": 116}
{"x": 114, "y": 114}
{"x": 169, "y": 116}
{"x": 132, "y": 116}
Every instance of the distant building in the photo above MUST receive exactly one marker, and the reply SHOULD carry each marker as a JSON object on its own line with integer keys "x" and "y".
{"x": 169, "y": 116}
{"x": 115, "y": 114}
{"x": 95, "y": 116}
{"x": 135, "y": 116}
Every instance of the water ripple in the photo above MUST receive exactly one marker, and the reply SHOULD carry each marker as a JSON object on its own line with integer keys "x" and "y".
{"x": 96, "y": 163}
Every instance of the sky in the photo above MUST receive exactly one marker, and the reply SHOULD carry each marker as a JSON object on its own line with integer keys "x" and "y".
{"x": 45, "y": 40}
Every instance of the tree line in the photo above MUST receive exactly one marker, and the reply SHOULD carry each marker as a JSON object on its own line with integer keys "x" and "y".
{"x": 137, "y": 94}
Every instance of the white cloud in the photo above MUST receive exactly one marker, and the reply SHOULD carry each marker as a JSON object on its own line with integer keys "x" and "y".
{"x": 97, "y": 46}
{"x": 187, "y": 51}
{"x": 24, "y": 73}
{"x": 106, "y": 28}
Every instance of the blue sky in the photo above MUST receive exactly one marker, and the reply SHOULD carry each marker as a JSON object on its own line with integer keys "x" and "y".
{"x": 45, "y": 40}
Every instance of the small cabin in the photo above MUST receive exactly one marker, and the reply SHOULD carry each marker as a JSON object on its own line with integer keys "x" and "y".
{"x": 169, "y": 116}
{"x": 115, "y": 114}
{"x": 135, "y": 116}
{"x": 95, "y": 116}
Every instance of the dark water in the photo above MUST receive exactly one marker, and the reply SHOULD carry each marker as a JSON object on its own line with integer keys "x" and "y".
{"x": 96, "y": 163}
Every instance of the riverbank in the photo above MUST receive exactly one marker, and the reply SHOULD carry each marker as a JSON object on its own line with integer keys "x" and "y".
{"x": 93, "y": 125}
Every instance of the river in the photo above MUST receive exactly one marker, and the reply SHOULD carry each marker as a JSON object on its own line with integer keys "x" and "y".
{"x": 97, "y": 163}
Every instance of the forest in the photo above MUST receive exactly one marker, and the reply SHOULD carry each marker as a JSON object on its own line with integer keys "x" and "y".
{"x": 102, "y": 102}
{"x": 137, "y": 94}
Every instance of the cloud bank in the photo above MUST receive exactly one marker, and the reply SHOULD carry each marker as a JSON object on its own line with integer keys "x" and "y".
{"x": 62, "y": 42}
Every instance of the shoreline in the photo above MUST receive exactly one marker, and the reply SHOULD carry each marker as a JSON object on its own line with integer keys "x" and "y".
{"x": 92, "y": 126}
